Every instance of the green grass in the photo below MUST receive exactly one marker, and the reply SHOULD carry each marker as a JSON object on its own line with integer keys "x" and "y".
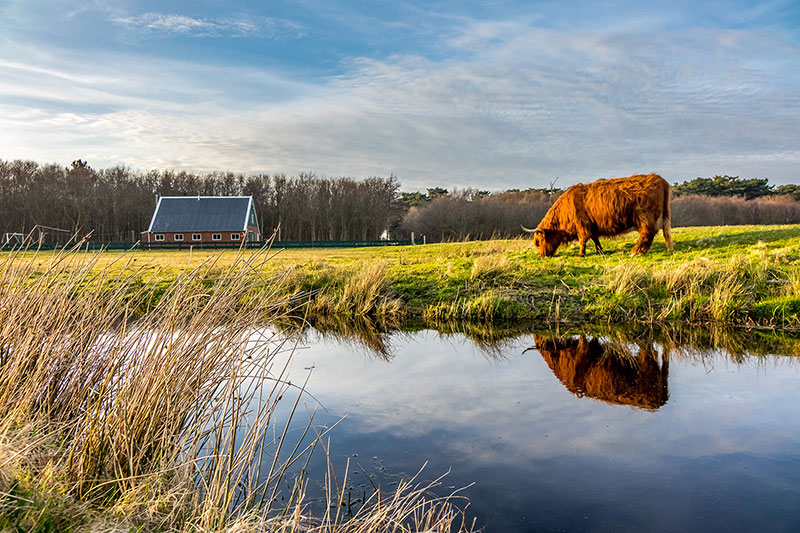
{"x": 732, "y": 274}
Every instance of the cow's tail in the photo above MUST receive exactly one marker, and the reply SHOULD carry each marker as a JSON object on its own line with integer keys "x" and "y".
{"x": 665, "y": 217}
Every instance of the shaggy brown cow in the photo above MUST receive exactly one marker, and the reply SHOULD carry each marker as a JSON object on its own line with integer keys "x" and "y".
{"x": 609, "y": 373}
{"x": 606, "y": 208}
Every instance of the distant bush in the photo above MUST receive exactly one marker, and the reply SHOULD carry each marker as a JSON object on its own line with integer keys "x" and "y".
{"x": 700, "y": 210}
{"x": 468, "y": 215}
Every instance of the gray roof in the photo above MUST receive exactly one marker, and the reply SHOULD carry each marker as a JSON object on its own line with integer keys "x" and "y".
{"x": 200, "y": 213}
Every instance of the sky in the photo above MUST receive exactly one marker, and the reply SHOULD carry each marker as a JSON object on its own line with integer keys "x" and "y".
{"x": 493, "y": 95}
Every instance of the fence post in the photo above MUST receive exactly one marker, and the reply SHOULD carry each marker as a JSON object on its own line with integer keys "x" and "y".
{"x": 412, "y": 238}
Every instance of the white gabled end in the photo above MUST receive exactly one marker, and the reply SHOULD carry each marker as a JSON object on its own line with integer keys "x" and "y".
{"x": 155, "y": 212}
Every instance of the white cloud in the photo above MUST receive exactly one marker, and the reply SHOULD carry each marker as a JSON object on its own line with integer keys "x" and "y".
{"x": 174, "y": 24}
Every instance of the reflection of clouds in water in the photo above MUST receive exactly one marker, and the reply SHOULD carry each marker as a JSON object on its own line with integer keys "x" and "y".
{"x": 514, "y": 409}
{"x": 443, "y": 377}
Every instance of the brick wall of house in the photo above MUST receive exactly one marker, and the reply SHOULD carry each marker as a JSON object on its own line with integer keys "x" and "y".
{"x": 206, "y": 237}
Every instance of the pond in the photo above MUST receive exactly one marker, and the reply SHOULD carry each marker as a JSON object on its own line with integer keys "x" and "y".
{"x": 570, "y": 430}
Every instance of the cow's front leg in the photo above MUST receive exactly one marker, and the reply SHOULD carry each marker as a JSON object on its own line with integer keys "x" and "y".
{"x": 582, "y": 252}
{"x": 646, "y": 235}
{"x": 597, "y": 247}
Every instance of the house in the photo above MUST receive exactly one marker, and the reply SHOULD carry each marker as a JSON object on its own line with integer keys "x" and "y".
{"x": 203, "y": 220}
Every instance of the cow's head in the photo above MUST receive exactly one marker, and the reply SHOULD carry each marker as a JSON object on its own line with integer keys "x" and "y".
{"x": 547, "y": 241}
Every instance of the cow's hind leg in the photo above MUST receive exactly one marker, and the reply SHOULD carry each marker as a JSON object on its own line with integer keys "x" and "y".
{"x": 646, "y": 235}
{"x": 582, "y": 251}
{"x": 597, "y": 247}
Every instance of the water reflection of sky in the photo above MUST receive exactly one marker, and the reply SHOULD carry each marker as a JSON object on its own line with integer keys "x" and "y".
{"x": 721, "y": 454}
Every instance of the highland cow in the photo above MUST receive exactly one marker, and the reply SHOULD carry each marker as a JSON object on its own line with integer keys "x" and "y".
{"x": 606, "y": 208}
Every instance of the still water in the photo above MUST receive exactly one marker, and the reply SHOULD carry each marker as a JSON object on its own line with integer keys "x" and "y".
{"x": 570, "y": 431}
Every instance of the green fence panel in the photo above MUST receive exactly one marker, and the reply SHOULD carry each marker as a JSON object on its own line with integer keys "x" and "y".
{"x": 47, "y": 246}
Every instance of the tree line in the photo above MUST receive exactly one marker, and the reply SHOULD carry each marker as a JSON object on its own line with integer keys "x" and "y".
{"x": 116, "y": 204}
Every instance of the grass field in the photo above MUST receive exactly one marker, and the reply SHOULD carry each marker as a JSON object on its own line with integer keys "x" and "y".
{"x": 731, "y": 274}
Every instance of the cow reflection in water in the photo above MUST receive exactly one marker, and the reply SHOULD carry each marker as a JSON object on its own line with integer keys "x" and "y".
{"x": 609, "y": 372}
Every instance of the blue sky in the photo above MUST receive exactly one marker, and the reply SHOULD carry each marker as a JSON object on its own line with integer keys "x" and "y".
{"x": 491, "y": 95}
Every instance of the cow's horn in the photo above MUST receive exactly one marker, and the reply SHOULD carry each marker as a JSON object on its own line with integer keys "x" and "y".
{"x": 529, "y": 230}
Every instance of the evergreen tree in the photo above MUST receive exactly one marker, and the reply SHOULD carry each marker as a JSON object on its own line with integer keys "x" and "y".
{"x": 725, "y": 186}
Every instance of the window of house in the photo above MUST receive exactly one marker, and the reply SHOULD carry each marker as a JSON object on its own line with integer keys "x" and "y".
{"x": 235, "y": 236}
{"x": 197, "y": 237}
{"x": 158, "y": 237}
{"x": 179, "y": 236}
{"x": 216, "y": 236}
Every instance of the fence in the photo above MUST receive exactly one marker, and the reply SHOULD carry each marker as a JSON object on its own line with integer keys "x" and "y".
{"x": 202, "y": 245}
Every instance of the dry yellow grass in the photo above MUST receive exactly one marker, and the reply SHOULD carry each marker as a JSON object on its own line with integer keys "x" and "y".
{"x": 165, "y": 423}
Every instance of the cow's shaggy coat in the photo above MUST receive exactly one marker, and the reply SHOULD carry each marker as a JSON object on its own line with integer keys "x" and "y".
{"x": 606, "y": 208}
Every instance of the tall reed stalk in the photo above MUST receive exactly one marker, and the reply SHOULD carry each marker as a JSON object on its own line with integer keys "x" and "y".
{"x": 163, "y": 423}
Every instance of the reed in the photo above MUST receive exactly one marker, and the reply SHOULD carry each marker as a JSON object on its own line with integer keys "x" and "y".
{"x": 489, "y": 267}
{"x": 163, "y": 423}
{"x": 363, "y": 292}
{"x": 704, "y": 290}
{"x": 492, "y": 305}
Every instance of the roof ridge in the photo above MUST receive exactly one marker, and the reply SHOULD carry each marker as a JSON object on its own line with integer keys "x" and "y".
{"x": 202, "y": 196}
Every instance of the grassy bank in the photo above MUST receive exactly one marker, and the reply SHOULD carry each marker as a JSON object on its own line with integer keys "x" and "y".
{"x": 166, "y": 423}
{"x": 734, "y": 274}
